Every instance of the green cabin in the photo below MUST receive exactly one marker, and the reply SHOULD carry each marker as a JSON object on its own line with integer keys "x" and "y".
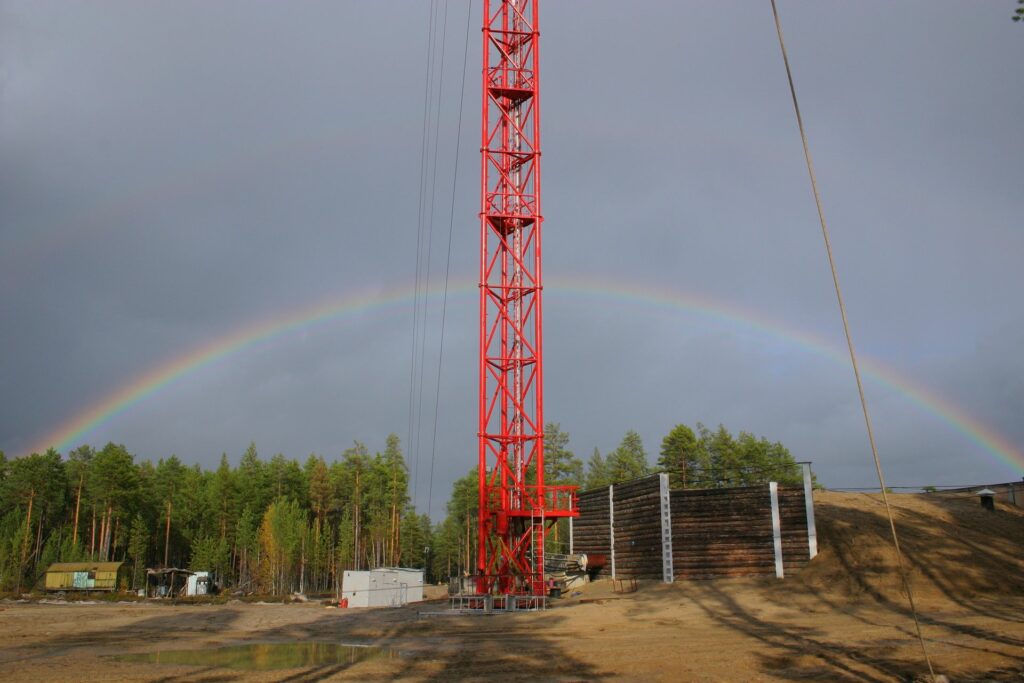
{"x": 85, "y": 576}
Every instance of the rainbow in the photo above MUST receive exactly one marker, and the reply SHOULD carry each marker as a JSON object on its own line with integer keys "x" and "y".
{"x": 78, "y": 426}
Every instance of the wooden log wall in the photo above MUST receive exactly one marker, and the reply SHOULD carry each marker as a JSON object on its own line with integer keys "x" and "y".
{"x": 793, "y": 516}
{"x": 728, "y": 532}
{"x": 637, "y": 508}
{"x": 590, "y": 531}
{"x": 715, "y": 532}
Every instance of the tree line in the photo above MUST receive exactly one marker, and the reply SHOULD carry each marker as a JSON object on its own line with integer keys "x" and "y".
{"x": 264, "y": 526}
{"x": 699, "y": 458}
{"x": 277, "y": 526}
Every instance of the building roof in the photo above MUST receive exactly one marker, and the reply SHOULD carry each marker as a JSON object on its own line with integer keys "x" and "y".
{"x": 84, "y": 566}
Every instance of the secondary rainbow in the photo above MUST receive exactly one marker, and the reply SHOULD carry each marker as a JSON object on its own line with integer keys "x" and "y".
{"x": 75, "y": 429}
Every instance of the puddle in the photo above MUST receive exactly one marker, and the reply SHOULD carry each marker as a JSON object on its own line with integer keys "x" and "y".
{"x": 265, "y": 656}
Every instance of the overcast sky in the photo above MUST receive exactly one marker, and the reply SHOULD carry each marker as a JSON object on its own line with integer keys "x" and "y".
{"x": 173, "y": 171}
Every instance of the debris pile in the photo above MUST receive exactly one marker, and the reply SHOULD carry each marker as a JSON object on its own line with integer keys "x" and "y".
{"x": 569, "y": 571}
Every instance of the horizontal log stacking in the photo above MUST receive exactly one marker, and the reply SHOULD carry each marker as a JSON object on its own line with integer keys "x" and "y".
{"x": 728, "y": 532}
{"x": 793, "y": 515}
{"x": 590, "y": 531}
{"x": 715, "y": 532}
{"x": 722, "y": 532}
{"x": 638, "y": 529}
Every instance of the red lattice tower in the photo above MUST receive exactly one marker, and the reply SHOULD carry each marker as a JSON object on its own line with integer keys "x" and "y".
{"x": 516, "y": 508}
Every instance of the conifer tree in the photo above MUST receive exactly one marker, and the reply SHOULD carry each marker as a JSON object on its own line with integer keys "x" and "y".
{"x": 629, "y": 460}
{"x": 681, "y": 457}
{"x": 138, "y": 550}
{"x": 597, "y": 471}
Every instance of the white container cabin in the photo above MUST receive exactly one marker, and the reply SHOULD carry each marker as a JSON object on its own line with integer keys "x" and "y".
{"x": 384, "y": 587}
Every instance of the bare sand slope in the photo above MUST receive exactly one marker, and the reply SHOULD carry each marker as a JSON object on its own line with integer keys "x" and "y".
{"x": 842, "y": 619}
{"x": 955, "y": 549}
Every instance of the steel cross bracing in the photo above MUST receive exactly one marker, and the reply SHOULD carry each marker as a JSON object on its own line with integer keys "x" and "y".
{"x": 516, "y": 507}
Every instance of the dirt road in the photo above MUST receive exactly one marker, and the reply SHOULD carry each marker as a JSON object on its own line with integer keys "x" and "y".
{"x": 708, "y": 631}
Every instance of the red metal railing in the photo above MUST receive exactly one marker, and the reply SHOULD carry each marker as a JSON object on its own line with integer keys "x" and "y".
{"x": 554, "y": 501}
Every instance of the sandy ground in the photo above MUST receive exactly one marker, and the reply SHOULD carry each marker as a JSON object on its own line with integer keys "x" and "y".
{"x": 839, "y": 620}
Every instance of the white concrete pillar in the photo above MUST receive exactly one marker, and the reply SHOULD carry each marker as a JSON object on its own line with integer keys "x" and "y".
{"x": 812, "y": 532}
{"x": 773, "y": 489}
{"x": 667, "y": 575}
{"x": 611, "y": 524}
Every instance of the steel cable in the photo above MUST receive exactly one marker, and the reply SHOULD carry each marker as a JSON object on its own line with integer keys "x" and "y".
{"x": 430, "y": 228}
{"x": 448, "y": 262}
{"x": 849, "y": 342}
{"x": 419, "y": 239}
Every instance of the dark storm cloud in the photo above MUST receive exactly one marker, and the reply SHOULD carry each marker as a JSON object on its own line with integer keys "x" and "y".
{"x": 172, "y": 171}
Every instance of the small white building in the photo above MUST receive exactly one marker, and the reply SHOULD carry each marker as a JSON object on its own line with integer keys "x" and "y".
{"x": 199, "y": 583}
{"x": 384, "y": 587}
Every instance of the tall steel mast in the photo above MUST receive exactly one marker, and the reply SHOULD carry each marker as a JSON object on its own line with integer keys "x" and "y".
{"x": 516, "y": 508}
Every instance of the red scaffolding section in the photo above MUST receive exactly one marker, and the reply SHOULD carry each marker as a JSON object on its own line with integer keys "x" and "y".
{"x": 516, "y": 508}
